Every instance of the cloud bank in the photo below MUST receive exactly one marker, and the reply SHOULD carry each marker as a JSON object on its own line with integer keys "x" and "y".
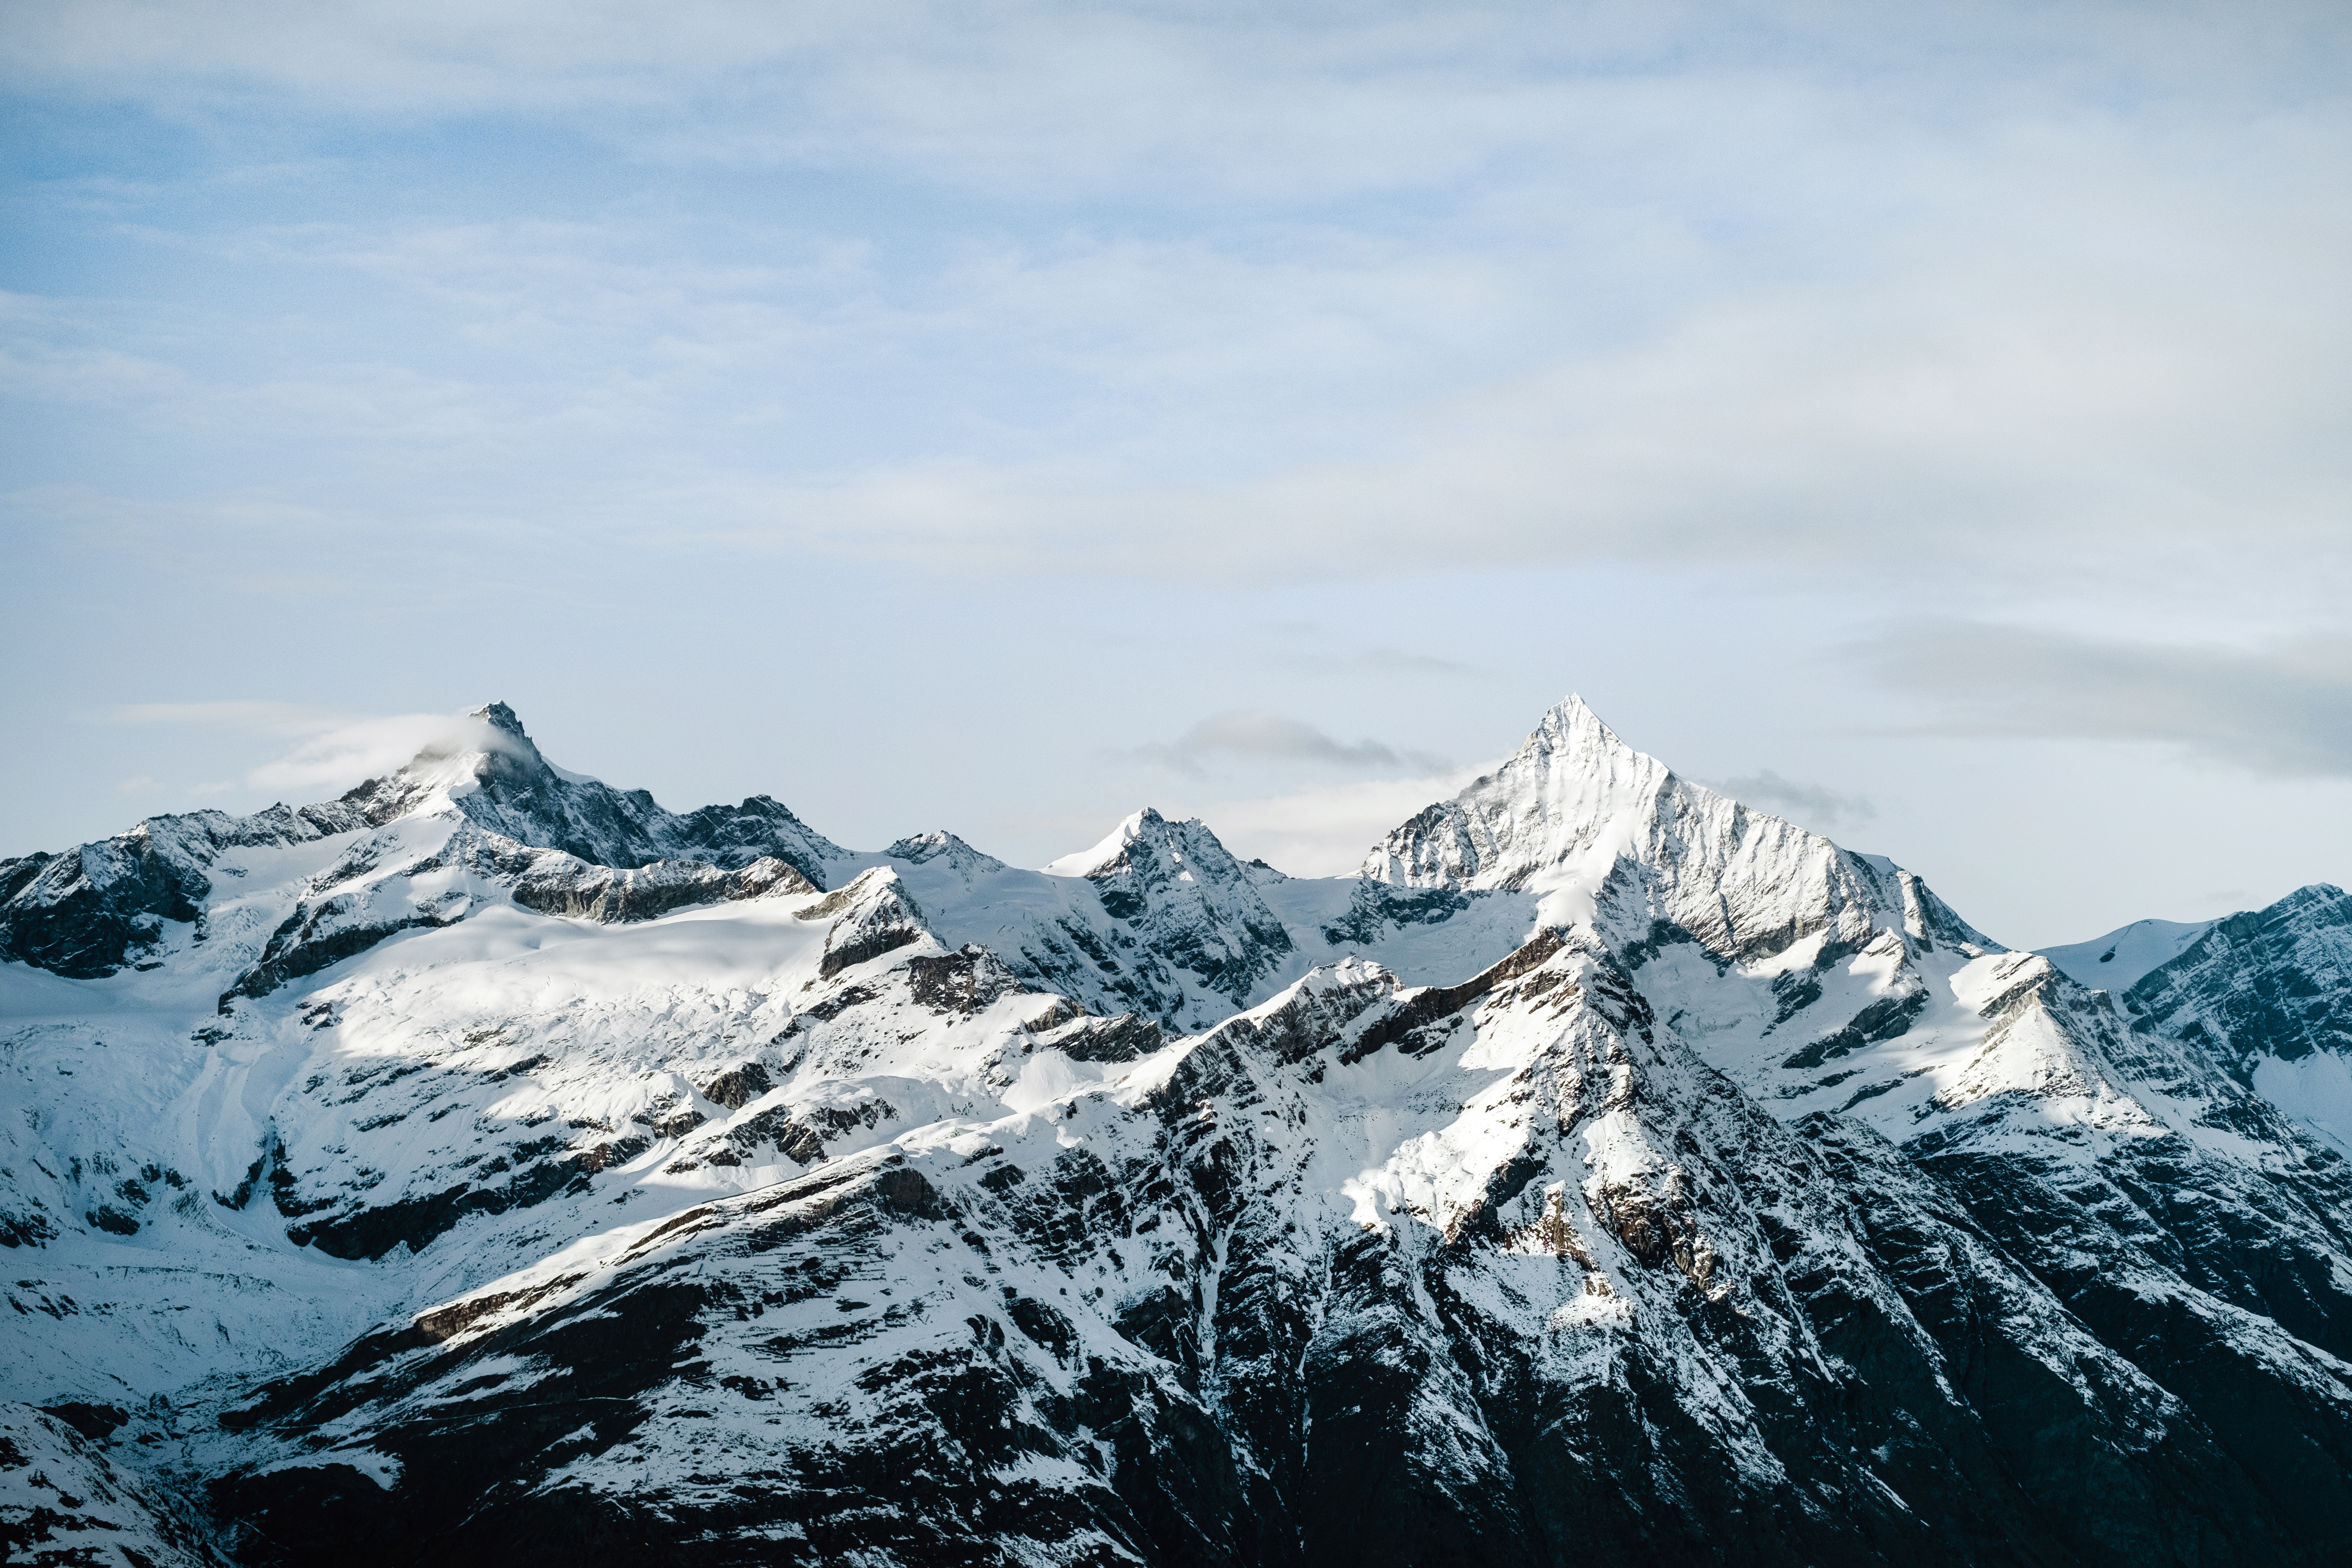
{"x": 2284, "y": 708}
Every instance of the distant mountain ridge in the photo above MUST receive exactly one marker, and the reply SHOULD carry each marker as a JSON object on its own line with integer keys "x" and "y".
{"x": 493, "y": 1165}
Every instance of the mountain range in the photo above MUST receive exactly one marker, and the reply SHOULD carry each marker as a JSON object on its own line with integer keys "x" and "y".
{"x": 492, "y": 1166}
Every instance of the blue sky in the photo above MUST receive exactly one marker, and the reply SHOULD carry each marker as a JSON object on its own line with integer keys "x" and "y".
{"x": 1933, "y": 418}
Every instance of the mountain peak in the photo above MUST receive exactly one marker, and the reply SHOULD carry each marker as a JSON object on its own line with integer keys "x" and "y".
{"x": 484, "y": 750}
{"x": 2116, "y": 961}
{"x": 500, "y": 716}
{"x": 1582, "y": 820}
{"x": 1106, "y": 852}
{"x": 1573, "y": 725}
{"x": 1572, "y": 732}
{"x": 922, "y": 849}
{"x": 1544, "y": 805}
{"x": 1177, "y": 884}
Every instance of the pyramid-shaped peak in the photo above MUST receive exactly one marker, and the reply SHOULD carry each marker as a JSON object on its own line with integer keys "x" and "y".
{"x": 1110, "y": 848}
{"x": 1572, "y": 726}
{"x": 1571, "y": 742}
{"x": 1547, "y": 804}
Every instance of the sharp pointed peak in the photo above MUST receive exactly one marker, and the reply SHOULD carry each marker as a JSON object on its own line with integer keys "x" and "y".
{"x": 1572, "y": 723}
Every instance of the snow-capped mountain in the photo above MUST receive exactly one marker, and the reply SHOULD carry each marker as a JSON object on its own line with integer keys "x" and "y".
{"x": 491, "y": 1165}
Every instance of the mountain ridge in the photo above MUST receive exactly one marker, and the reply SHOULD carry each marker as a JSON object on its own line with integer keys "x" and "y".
{"x": 1609, "y": 1163}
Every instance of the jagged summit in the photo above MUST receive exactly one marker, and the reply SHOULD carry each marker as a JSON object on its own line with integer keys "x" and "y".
{"x": 503, "y": 718}
{"x": 2268, "y": 992}
{"x": 1570, "y": 781}
{"x": 463, "y": 816}
{"x": 490, "y": 772}
{"x": 1177, "y": 886}
{"x": 1608, "y": 837}
{"x": 944, "y": 848}
{"x": 486, "y": 749}
{"x": 1136, "y": 826}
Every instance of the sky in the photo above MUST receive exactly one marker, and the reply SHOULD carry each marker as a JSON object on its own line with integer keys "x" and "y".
{"x": 1931, "y": 423}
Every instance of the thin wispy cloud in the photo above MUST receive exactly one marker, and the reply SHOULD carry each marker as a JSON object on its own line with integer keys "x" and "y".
{"x": 1325, "y": 830}
{"x": 1984, "y": 373}
{"x": 1814, "y": 804}
{"x": 1256, "y": 735}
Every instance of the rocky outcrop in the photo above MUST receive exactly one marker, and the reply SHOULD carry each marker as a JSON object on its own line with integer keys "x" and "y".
{"x": 496, "y": 777}
{"x": 1601, "y": 1304}
{"x": 565, "y": 885}
{"x": 96, "y": 909}
{"x": 871, "y": 916}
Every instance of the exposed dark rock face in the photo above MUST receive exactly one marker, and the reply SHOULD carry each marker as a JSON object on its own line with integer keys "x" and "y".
{"x": 871, "y": 916}
{"x": 962, "y": 981}
{"x": 516, "y": 794}
{"x": 739, "y": 1086}
{"x": 64, "y": 1501}
{"x": 1194, "y": 905}
{"x": 565, "y": 886}
{"x": 2270, "y": 983}
{"x": 94, "y": 910}
{"x": 1374, "y": 908}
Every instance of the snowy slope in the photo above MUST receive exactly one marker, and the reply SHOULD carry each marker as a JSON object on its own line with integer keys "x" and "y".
{"x": 63, "y": 1501}
{"x": 1324, "y": 1284}
{"x": 2116, "y": 961}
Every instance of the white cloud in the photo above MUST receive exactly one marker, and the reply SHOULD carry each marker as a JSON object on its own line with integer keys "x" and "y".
{"x": 335, "y": 751}
{"x": 1823, "y": 287}
{"x": 370, "y": 748}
